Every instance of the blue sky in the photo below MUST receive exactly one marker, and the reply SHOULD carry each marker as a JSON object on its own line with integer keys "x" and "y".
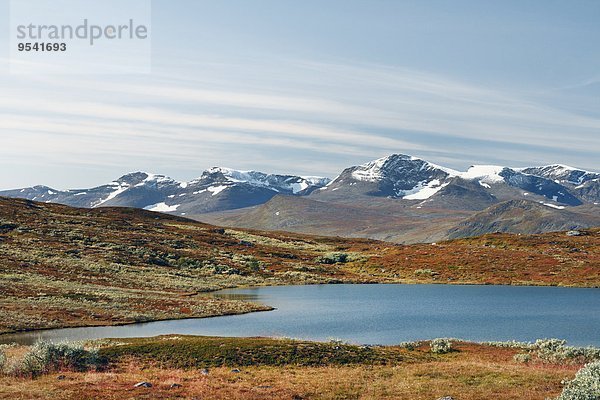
{"x": 311, "y": 87}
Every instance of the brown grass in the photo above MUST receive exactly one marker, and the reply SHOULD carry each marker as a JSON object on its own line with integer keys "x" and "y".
{"x": 474, "y": 372}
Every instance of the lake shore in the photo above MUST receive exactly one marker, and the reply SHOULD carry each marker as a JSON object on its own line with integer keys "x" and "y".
{"x": 64, "y": 267}
{"x": 377, "y": 315}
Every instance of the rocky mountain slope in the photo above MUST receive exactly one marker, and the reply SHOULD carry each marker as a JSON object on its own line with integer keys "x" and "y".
{"x": 524, "y": 217}
{"x": 406, "y": 199}
{"x": 217, "y": 189}
{"x": 409, "y": 178}
{"x": 583, "y": 184}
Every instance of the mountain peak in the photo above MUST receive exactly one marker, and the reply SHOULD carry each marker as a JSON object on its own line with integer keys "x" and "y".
{"x": 411, "y": 178}
{"x": 396, "y": 175}
{"x": 144, "y": 178}
{"x": 291, "y": 183}
{"x": 232, "y": 175}
{"x": 132, "y": 178}
{"x": 395, "y": 164}
{"x": 562, "y": 174}
{"x": 225, "y": 171}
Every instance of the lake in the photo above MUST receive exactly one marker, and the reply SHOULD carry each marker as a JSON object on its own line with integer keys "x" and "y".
{"x": 383, "y": 314}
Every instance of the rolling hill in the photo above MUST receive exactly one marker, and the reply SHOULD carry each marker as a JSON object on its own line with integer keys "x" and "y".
{"x": 63, "y": 266}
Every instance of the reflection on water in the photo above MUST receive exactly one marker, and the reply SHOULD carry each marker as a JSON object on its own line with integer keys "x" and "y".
{"x": 383, "y": 314}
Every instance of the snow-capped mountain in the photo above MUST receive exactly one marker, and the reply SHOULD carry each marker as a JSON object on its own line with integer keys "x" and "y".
{"x": 397, "y": 176}
{"x": 563, "y": 174}
{"x": 583, "y": 184}
{"x": 405, "y": 177}
{"x": 217, "y": 189}
{"x": 493, "y": 178}
{"x": 137, "y": 189}
{"x": 407, "y": 199}
{"x": 413, "y": 182}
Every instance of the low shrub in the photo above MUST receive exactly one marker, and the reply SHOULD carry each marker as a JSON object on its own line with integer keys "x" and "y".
{"x": 409, "y": 345}
{"x": 550, "y": 345}
{"x": 45, "y": 357}
{"x": 333, "y": 258}
{"x": 2, "y": 360}
{"x": 426, "y": 271}
{"x": 585, "y": 386}
{"x": 553, "y": 351}
{"x": 522, "y": 357}
{"x": 557, "y": 351}
{"x": 441, "y": 346}
{"x": 7, "y": 226}
{"x": 511, "y": 344}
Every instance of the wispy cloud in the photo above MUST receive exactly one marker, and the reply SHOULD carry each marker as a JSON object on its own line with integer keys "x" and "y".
{"x": 325, "y": 114}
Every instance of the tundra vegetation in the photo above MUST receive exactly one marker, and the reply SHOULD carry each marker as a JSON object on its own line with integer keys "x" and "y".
{"x": 441, "y": 346}
{"x": 63, "y": 266}
{"x": 179, "y": 366}
{"x": 45, "y": 357}
{"x": 585, "y": 386}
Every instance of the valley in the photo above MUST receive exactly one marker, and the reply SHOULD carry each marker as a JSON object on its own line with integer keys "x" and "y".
{"x": 65, "y": 266}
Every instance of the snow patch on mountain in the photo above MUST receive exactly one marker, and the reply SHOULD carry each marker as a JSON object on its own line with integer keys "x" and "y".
{"x": 158, "y": 179}
{"x": 485, "y": 174}
{"x": 162, "y": 207}
{"x": 424, "y": 190}
{"x": 120, "y": 188}
{"x": 554, "y": 206}
{"x": 215, "y": 190}
{"x": 298, "y": 187}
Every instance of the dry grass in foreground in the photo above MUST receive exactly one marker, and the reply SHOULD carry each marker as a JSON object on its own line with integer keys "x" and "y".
{"x": 283, "y": 370}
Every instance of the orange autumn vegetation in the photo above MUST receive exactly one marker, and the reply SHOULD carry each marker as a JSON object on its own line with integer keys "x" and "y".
{"x": 471, "y": 372}
{"x": 63, "y": 266}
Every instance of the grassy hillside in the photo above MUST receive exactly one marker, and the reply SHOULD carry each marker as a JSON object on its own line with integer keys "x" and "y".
{"x": 527, "y": 217}
{"x": 62, "y": 266}
{"x": 365, "y": 217}
{"x": 441, "y": 217}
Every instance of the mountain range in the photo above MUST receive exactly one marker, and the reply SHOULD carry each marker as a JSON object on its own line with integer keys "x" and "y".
{"x": 399, "y": 198}
{"x": 215, "y": 190}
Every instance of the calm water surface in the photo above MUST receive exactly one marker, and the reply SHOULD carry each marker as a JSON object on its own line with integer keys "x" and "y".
{"x": 384, "y": 314}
